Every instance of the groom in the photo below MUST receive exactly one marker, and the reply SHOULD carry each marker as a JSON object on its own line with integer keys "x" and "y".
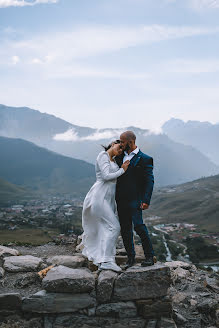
{"x": 133, "y": 193}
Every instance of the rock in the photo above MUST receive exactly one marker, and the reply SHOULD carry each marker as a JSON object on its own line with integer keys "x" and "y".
{"x": 151, "y": 324}
{"x": 178, "y": 318}
{"x": 117, "y": 310}
{"x": 179, "y": 273}
{"x": 43, "y": 302}
{"x": 193, "y": 302}
{"x": 176, "y": 264}
{"x": 212, "y": 283}
{"x": 79, "y": 321}
{"x": 105, "y": 285}
{"x": 167, "y": 323}
{"x": 179, "y": 298}
{"x": 16, "y": 321}
{"x": 27, "y": 279}
{"x": 10, "y": 301}
{"x": 217, "y": 317}
{"x": 207, "y": 306}
{"x": 6, "y": 251}
{"x": 153, "y": 308}
{"x": 142, "y": 283}
{"x": 74, "y": 262}
{"x": 62, "y": 279}
{"x": 2, "y": 272}
{"x": 22, "y": 263}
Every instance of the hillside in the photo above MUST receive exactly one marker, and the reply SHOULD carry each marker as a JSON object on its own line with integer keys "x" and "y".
{"x": 10, "y": 192}
{"x": 194, "y": 202}
{"x": 175, "y": 163}
{"x": 201, "y": 135}
{"x": 25, "y": 164}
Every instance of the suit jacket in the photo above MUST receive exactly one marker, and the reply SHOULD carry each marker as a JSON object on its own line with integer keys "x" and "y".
{"x": 136, "y": 184}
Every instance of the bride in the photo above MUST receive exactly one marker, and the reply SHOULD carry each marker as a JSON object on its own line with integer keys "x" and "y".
{"x": 99, "y": 220}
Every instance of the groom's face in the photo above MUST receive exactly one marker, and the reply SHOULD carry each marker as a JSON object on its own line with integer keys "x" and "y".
{"x": 124, "y": 143}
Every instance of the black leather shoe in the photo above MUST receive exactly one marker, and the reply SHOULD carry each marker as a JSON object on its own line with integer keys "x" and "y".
{"x": 130, "y": 262}
{"x": 149, "y": 261}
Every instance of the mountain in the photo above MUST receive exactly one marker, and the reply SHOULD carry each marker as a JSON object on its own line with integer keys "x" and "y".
{"x": 25, "y": 164}
{"x": 174, "y": 162}
{"x": 10, "y": 192}
{"x": 201, "y": 135}
{"x": 194, "y": 202}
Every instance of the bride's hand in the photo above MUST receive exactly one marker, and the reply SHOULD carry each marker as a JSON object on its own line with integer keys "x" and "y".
{"x": 125, "y": 165}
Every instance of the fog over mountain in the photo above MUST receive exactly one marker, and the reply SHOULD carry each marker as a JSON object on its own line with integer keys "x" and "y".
{"x": 201, "y": 135}
{"x": 174, "y": 162}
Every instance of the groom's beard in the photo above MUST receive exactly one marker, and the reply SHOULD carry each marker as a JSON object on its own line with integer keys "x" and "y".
{"x": 127, "y": 148}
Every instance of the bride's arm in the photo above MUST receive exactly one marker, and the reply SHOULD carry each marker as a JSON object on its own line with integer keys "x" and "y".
{"x": 104, "y": 166}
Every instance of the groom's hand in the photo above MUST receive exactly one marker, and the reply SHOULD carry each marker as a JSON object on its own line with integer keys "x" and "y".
{"x": 144, "y": 206}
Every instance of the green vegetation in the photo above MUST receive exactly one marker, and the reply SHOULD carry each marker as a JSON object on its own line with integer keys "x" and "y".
{"x": 175, "y": 249}
{"x": 194, "y": 202}
{"x": 43, "y": 171}
{"x": 26, "y": 236}
{"x": 199, "y": 250}
{"x": 10, "y": 193}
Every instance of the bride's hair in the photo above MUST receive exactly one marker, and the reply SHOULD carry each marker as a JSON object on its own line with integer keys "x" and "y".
{"x": 110, "y": 145}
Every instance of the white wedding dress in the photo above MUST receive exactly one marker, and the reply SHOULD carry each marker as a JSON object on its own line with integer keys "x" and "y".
{"x": 99, "y": 219}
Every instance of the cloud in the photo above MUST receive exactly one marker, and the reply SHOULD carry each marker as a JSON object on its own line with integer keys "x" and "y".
{"x": 191, "y": 66}
{"x": 71, "y": 135}
{"x": 15, "y": 60}
{"x": 22, "y": 3}
{"x": 203, "y": 4}
{"x": 61, "y": 54}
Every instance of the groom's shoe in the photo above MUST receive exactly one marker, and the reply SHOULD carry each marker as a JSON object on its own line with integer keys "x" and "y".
{"x": 150, "y": 260}
{"x": 130, "y": 262}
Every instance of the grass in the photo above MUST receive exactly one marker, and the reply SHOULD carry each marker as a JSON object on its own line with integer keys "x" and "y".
{"x": 26, "y": 237}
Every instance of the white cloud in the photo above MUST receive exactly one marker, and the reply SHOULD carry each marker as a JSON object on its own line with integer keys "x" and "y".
{"x": 59, "y": 53}
{"x": 22, "y": 3}
{"x": 203, "y": 4}
{"x": 192, "y": 66}
{"x": 71, "y": 135}
{"x": 15, "y": 60}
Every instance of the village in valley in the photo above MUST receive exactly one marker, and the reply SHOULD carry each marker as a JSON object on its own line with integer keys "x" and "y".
{"x": 58, "y": 220}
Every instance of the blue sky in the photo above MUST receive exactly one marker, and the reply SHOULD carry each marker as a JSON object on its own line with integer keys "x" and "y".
{"x": 112, "y": 63}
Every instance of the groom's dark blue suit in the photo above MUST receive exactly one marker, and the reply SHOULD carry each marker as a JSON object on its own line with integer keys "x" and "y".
{"x": 134, "y": 187}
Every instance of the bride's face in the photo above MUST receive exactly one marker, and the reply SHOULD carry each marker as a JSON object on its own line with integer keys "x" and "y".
{"x": 117, "y": 150}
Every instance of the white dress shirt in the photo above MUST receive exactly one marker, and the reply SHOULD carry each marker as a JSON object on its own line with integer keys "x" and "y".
{"x": 129, "y": 156}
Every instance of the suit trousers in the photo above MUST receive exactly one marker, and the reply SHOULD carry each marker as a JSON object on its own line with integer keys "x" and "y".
{"x": 130, "y": 214}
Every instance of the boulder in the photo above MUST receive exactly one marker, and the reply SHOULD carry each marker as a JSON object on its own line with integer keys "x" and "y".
{"x": 117, "y": 310}
{"x": 176, "y": 264}
{"x": 154, "y": 308}
{"x": 71, "y": 261}
{"x": 27, "y": 279}
{"x": 167, "y": 323}
{"x": 6, "y": 251}
{"x": 82, "y": 321}
{"x": 208, "y": 306}
{"x": 142, "y": 283}
{"x": 10, "y": 302}
{"x": 62, "y": 279}
{"x": 22, "y": 263}
{"x": 44, "y": 302}
{"x": 105, "y": 285}
{"x": 2, "y": 272}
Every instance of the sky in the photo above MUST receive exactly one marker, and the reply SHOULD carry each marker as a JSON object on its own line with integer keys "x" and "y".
{"x": 112, "y": 63}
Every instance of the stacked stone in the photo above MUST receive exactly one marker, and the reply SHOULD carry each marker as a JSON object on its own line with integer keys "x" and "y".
{"x": 73, "y": 296}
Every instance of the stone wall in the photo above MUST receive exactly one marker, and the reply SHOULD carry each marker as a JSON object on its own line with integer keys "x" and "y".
{"x": 72, "y": 294}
